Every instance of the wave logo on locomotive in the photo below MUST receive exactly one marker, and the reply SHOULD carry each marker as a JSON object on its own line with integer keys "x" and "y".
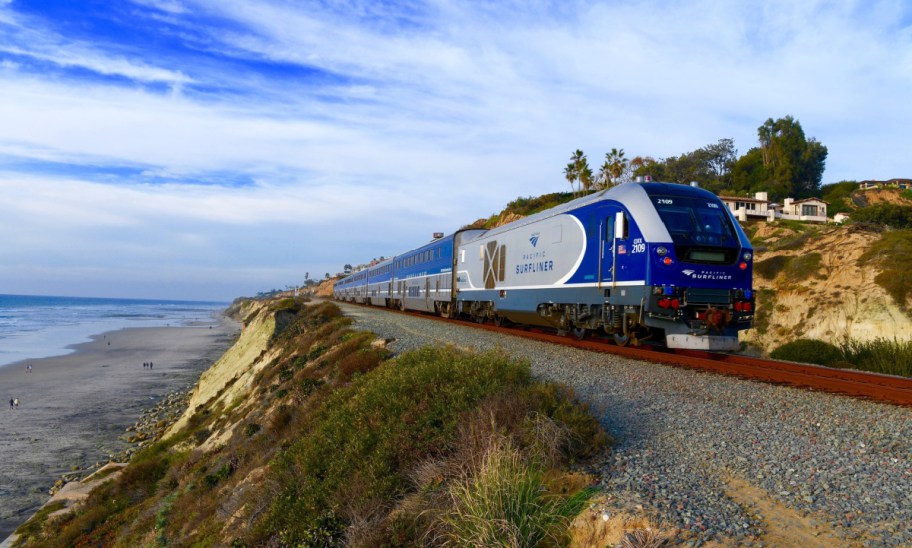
{"x": 534, "y": 239}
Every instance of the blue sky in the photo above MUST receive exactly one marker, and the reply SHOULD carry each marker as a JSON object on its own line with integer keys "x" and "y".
{"x": 207, "y": 149}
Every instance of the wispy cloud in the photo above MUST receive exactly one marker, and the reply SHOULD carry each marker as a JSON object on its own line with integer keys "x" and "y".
{"x": 193, "y": 123}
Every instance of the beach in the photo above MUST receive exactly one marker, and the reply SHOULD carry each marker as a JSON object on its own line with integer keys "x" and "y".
{"x": 73, "y": 409}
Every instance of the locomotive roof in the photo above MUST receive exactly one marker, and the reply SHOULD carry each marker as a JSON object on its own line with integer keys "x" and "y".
{"x": 634, "y": 196}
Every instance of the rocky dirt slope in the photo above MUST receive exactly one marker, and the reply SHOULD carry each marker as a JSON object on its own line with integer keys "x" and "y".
{"x": 810, "y": 283}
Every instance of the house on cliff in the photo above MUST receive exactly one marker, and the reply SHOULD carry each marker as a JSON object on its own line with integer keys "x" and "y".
{"x": 900, "y": 184}
{"x": 760, "y": 208}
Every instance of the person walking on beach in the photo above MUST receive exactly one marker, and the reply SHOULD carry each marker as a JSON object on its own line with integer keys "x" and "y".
{"x": 17, "y": 403}
{"x": 28, "y": 368}
{"x": 11, "y": 403}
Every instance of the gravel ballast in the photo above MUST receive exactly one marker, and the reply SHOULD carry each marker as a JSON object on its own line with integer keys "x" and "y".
{"x": 682, "y": 436}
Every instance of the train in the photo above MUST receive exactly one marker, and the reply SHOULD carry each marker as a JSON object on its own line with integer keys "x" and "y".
{"x": 640, "y": 262}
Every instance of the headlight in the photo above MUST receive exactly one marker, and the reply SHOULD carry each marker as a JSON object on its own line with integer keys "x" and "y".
{"x": 748, "y": 255}
{"x": 662, "y": 251}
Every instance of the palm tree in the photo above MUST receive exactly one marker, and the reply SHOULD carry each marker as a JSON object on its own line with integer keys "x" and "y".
{"x": 578, "y": 170}
{"x": 570, "y": 174}
{"x": 604, "y": 175}
{"x": 585, "y": 177}
{"x": 617, "y": 164}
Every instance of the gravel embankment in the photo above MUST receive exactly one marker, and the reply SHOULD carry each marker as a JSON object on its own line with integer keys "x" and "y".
{"x": 844, "y": 466}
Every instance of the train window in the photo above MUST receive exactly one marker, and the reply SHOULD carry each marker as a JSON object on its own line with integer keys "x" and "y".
{"x": 621, "y": 229}
{"x": 609, "y": 229}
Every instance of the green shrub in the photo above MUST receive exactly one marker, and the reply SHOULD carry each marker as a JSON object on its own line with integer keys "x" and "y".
{"x": 770, "y": 268}
{"x": 802, "y": 267}
{"x": 891, "y": 215}
{"x": 795, "y": 241}
{"x": 892, "y": 357}
{"x": 368, "y": 434}
{"x": 838, "y": 196}
{"x": 808, "y": 351}
{"x": 33, "y": 527}
{"x": 796, "y": 268}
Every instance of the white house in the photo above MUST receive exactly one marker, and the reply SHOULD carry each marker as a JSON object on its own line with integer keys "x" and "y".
{"x": 808, "y": 209}
{"x": 757, "y": 208}
{"x": 840, "y": 218}
{"x": 760, "y": 208}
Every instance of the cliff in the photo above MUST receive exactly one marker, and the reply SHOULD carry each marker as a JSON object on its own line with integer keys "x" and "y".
{"x": 308, "y": 432}
{"x": 823, "y": 283}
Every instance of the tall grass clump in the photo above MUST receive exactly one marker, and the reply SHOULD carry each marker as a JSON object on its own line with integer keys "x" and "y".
{"x": 504, "y": 503}
{"x": 881, "y": 355}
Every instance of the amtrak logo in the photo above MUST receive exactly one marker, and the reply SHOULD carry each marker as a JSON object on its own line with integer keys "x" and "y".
{"x": 534, "y": 239}
{"x": 693, "y": 274}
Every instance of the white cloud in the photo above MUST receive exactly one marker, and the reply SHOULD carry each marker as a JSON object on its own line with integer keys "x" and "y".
{"x": 416, "y": 120}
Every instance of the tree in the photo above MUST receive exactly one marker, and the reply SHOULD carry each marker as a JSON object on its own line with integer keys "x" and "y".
{"x": 327, "y": 275}
{"x": 616, "y": 165}
{"x": 570, "y": 175}
{"x": 604, "y": 175}
{"x": 719, "y": 158}
{"x": 793, "y": 164}
{"x": 586, "y": 178}
{"x": 577, "y": 171}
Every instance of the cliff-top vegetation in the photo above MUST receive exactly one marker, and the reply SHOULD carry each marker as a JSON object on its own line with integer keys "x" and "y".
{"x": 336, "y": 442}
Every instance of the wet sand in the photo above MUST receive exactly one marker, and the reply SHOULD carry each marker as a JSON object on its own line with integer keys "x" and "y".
{"x": 73, "y": 409}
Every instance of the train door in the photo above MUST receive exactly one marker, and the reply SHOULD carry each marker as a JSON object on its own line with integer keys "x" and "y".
{"x": 427, "y": 294}
{"x": 614, "y": 248}
{"x": 606, "y": 259}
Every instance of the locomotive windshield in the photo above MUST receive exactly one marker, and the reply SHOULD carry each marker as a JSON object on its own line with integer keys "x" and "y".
{"x": 699, "y": 227}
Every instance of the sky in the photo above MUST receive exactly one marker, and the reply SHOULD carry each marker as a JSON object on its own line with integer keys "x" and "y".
{"x": 205, "y": 150}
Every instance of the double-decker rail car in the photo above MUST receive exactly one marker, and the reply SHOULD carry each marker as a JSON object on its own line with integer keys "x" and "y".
{"x": 423, "y": 277}
{"x": 379, "y": 283}
{"x": 639, "y": 261}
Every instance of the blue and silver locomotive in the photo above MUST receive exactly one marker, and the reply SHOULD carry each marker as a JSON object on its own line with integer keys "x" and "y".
{"x": 640, "y": 261}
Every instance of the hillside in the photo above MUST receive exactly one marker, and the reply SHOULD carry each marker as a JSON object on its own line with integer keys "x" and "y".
{"x": 829, "y": 283}
{"x": 405, "y": 448}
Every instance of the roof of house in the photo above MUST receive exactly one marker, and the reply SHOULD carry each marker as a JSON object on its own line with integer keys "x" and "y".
{"x": 740, "y": 199}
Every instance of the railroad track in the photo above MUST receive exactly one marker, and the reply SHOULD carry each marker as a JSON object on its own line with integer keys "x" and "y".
{"x": 859, "y": 384}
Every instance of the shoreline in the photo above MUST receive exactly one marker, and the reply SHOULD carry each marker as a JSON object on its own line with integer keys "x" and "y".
{"x": 74, "y": 409}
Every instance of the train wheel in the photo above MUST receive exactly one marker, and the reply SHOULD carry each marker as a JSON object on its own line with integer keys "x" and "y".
{"x": 579, "y": 333}
{"x": 444, "y": 310}
{"x": 620, "y": 339}
{"x": 402, "y": 305}
{"x": 498, "y": 320}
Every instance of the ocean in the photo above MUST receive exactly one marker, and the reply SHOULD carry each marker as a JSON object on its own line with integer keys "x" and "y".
{"x": 34, "y": 327}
